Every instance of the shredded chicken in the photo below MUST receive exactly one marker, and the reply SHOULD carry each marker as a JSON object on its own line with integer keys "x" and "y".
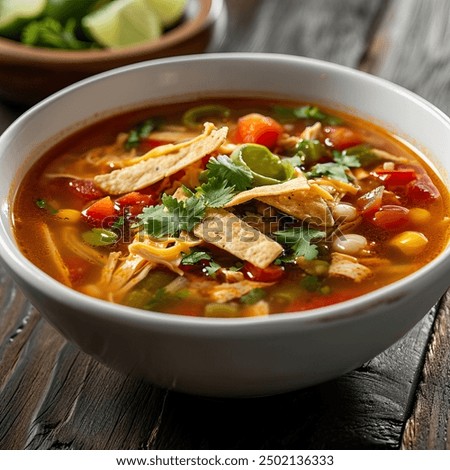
{"x": 55, "y": 257}
{"x": 348, "y": 267}
{"x": 312, "y": 132}
{"x": 166, "y": 252}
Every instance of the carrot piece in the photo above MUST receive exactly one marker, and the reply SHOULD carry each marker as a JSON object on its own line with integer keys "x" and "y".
{"x": 101, "y": 213}
{"x": 255, "y": 128}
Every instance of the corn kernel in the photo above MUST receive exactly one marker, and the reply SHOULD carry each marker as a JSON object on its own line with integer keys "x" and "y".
{"x": 69, "y": 215}
{"x": 419, "y": 216}
{"x": 409, "y": 243}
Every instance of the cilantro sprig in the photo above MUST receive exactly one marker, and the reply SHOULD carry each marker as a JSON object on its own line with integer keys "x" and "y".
{"x": 314, "y": 113}
{"x": 298, "y": 240}
{"x": 254, "y": 296}
{"x": 141, "y": 132}
{"x": 172, "y": 216}
{"x": 49, "y": 32}
{"x": 333, "y": 170}
{"x": 195, "y": 257}
{"x": 224, "y": 169}
{"x": 338, "y": 169}
{"x": 223, "y": 179}
{"x": 216, "y": 192}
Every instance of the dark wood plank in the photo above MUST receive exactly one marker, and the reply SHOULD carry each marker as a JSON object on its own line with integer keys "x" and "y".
{"x": 412, "y": 48}
{"x": 322, "y": 29}
{"x": 124, "y": 414}
{"x": 428, "y": 426}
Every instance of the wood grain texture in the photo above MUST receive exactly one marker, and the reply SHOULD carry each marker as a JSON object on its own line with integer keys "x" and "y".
{"x": 412, "y": 48}
{"x": 322, "y": 29}
{"x": 52, "y": 396}
{"x": 429, "y": 425}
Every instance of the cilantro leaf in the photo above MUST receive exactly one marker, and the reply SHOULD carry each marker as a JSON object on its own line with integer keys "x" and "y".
{"x": 212, "y": 269}
{"x": 254, "y": 296}
{"x": 194, "y": 257}
{"x": 299, "y": 241}
{"x": 305, "y": 112}
{"x": 119, "y": 223}
{"x": 49, "y": 32}
{"x": 43, "y": 204}
{"x": 185, "y": 213}
{"x": 294, "y": 161}
{"x": 215, "y": 192}
{"x": 363, "y": 153}
{"x": 140, "y": 132}
{"x": 315, "y": 284}
{"x": 311, "y": 283}
{"x": 172, "y": 216}
{"x": 350, "y": 161}
{"x": 332, "y": 170}
{"x": 157, "y": 222}
{"x": 223, "y": 168}
{"x": 162, "y": 297}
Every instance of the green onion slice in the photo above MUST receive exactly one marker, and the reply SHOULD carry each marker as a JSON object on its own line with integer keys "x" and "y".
{"x": 191, "y": 118}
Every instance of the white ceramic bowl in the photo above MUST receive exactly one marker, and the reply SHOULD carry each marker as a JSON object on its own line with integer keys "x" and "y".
{"x": 226, "y": 357}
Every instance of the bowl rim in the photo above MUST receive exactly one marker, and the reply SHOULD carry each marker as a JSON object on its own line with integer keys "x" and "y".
{"x": 342, "y": 311}
{"x": 207, "y": 14}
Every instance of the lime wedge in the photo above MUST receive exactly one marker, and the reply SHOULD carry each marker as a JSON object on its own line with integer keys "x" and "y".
{"x": 169, "y": 11}
{"x": 14, "y": 14}
{"x": 123, "y": 23}
{"x": 62, "y": 10}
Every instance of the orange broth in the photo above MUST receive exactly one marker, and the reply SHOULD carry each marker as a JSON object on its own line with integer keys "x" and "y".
{"x": 47, "y": 191}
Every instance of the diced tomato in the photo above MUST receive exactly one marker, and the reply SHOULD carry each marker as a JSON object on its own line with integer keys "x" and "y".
{"x": 85, "y": 189}
{"x": 101, "y": 213}
{"x": 422, "y": 190}
{"x": 391, "y": 217}
{"x": 177, "y": 176}
{"x": 149, "y": 144}
{"x": 78, "y": 268}
{"x": 340, "y": 137}
{"x": 395, "y": 178}
{"x": 205, "y": 160}
{"x": 270, "y": 274}
{"x": 255, "y": 128}
{"x": 135, "y": 202}
{"x": 370, "y": 202}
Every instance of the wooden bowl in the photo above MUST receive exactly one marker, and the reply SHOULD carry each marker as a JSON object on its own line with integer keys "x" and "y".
{"x": 29, "y": 74}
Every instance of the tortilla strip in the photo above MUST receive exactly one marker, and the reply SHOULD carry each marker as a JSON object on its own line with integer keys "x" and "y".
{"x": 228, "y": 232}
{"x": 304, "y": 205}
{"x": 296, "y": 184}
{"x": 340, "y": 186}
{"x": 295, "y": 197}
{"x": 348, "y": 267}
{"x": 226, "y": 292}
{"x": 153, "y": 167}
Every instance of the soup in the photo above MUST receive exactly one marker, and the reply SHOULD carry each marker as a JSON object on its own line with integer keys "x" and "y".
{"x": 231, "y": 208}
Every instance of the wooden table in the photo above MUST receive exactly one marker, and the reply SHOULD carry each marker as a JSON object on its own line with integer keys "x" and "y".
{"x": 52, "y": 396}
